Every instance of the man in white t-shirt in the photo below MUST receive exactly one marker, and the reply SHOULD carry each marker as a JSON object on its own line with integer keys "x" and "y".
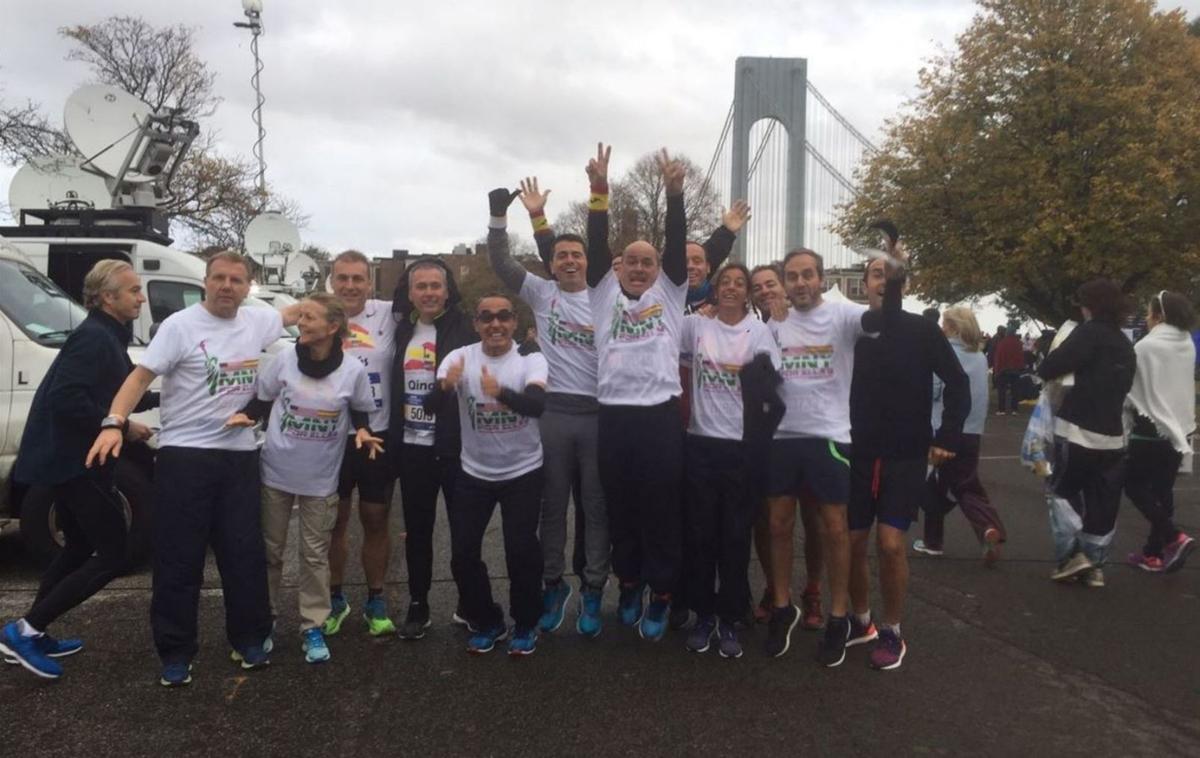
{"x": 206, "y": 474}
{"x": 810, "y": 453}
{"x": 371, "y": 342}
{"x": 500, "y": 395}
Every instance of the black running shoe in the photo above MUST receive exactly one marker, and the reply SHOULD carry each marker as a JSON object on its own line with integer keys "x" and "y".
{"x": 831, "y": 650}
{"x": 779, "y": 629}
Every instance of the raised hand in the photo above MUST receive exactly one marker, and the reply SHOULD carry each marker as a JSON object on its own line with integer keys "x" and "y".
{"x": 708, "y": 310}
{"x": 499, "y": 199}
{"x": 374, "y": 445}
{"x": 489, "y": 384}
{"x": 779, "y": 308}
{"x": 453, "y": 375}
{"x": 737, "y": 216}
{"x": 107, "y": 443}
{"x": 533, "y": 200}
{"x": 239, "y": 421}
{"x": 597, "y": 168}
{"x": 673, "y": 172}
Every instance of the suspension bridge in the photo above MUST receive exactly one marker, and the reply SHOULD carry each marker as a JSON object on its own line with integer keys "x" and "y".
{"x": 792, "y": 155}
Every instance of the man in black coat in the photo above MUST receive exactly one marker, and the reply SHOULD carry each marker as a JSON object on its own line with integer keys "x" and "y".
{"x": 69, "y": 410}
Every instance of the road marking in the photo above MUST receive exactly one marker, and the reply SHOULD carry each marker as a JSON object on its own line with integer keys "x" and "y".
{"x": 238, "y": 681}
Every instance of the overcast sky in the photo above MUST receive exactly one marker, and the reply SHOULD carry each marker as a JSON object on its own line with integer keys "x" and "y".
{"x": 389, "y": 124}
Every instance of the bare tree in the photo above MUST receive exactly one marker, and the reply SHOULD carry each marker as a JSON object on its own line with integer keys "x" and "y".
{"x": 25, "y": 133}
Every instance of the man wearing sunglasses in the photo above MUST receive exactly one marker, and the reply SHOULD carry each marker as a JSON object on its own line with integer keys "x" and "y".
{"x": 500, "y": 395}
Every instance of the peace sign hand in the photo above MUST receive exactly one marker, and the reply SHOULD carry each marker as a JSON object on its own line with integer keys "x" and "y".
{"x": 597, "y": 168}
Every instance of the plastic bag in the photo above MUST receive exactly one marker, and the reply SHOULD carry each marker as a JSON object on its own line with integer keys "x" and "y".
{"x": 1037, "y": 447}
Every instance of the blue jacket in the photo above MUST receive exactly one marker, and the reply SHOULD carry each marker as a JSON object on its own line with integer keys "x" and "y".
{"x": 72, "y": 400}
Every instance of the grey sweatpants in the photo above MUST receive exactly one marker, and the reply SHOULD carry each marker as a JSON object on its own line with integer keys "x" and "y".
{"x": 569, "y": 451}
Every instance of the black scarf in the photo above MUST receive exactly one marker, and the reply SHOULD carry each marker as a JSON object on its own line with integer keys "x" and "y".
{"x": 319, "y": 369}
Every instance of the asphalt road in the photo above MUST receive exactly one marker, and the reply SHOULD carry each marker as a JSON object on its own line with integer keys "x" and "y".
{"x": 1001, "y": 662}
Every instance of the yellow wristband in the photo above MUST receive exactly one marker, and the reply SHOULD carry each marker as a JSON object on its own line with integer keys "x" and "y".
{"x": 598, "y": 202}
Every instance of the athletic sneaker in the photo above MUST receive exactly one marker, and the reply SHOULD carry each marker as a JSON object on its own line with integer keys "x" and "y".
{"x": 339, "y": 609}
{"x": 314, "y": 647}
{"x": 484, "y": 640}
{"x": 700, "y": 637}
{"x": 375, "y": 614}
{"x": 654, "y": 621}
{"x": 1076, "y": 564}
{"x": 26, "y": 652}
{"x": 860, "y": 634}
{"x": 831, "y": 650}
{"x": 523, "y": 642}
{"x": 459, "y": 618}
{"x": 176, "y": 675}
{"x": 554, "y": 606}
{"x": 589, "y": 623}
{"x": 52, "y": 648}
{"x": 1151, "y": 563}
{"x": 889, "y": 651}
{"x": 779, "y": 629}
{"x": 811, "y": 617}
{"x": 762, "y": 611}
{"x": 1094, "y": 578}
{"x": 921, "y": 546}
{"x": 629, "y": 606}
{"x": 415, "y": 622}
{"x": 679, "y": 617}
{"x": 1175, "y": 554}
{"x": 253, "y": 657}
{"x": 727, "y": 641}
{"x": 991, "y": 546}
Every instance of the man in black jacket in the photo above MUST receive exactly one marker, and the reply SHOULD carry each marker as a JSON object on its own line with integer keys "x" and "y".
{"x": 67, "y": 414}
{"x": 429, "y": 325}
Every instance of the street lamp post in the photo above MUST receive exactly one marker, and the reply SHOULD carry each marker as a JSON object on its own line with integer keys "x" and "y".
{"x": 253, "y": 10}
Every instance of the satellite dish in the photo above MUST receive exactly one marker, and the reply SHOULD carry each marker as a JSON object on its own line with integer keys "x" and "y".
{"x": 104, "y": 123}
{"x": 52, "y": 179}
{"x": 271, "y": 233}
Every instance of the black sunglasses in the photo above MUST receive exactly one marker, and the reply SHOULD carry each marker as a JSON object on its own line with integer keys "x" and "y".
{"x": 487, "y": 317}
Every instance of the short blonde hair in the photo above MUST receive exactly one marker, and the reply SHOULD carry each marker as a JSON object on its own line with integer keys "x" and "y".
{"x": 335, "y": 313}
{"x": 961, "y": 321}
{"x": 102, "y": 278}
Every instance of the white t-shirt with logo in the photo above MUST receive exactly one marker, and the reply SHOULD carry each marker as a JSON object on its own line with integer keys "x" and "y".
{"x": 565, "y": 333}
{"x": 718, "y": 352}
{"x": 209, "y": 366}
{"x": 497, "y": 442}
{"x": 371, "y": 342}
{"x": 306, "y": 432}
{"x": 817, "y": 363}
{"x": 637, "y": 341}
{"x": 420, "y": 366}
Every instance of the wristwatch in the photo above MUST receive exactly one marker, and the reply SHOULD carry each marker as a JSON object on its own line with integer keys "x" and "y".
{"x": 112, "y": 422}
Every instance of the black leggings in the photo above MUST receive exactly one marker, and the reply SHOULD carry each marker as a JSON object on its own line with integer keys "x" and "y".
{"x": 93, "y": 523}
{"x": 422, "y": 474}
{"x": 1149, "y": 481}
{"x": 719, "y": 524}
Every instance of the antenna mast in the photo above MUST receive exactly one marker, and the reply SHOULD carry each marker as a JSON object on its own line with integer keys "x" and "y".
{"x": 253, "y": 11}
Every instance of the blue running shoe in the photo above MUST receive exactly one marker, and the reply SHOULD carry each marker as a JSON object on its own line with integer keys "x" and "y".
{"x": 375, "y": 614}
{"x": 315, "y": 649}
{"x": 176, "y": 675}
{"x": 701, "y": 635}
{"x": 654, "y": 623}
{"x": 484, "y": 640}
{"x": 253, "y": 657}
{"x": 554, "y": 606}
{"x": 26, "y": 652}
{"x": 629, "y": 607}
{"x": 589, "y": 623}
{"x": 523, "y": 642}
{"x": 52, "y": 648}
{"x": 727, "y": 641}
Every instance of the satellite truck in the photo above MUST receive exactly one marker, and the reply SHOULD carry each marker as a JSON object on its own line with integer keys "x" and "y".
{"x": 73, "y": 210}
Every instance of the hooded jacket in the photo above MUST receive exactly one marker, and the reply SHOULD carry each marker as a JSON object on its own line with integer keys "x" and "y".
{"x": 454, "y": 330}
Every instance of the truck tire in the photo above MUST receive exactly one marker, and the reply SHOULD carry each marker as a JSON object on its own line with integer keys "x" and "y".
{"x": 39, "y": 524}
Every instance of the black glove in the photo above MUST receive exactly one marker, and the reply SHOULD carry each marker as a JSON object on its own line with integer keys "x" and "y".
{"x": 499, "y": 199}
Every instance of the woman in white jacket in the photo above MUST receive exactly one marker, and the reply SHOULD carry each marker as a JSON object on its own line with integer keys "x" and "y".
{"x": 1162, "y": 406}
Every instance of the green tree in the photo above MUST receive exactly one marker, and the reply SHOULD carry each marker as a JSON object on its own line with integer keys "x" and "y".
{"x": 1059, "y": 142}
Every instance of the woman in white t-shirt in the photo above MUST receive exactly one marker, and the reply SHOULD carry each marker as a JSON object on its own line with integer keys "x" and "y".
{"x": 721, "y": 512}
{"x": 312, "y": 396}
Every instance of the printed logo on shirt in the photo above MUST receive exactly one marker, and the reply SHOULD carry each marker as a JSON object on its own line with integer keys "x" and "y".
{"x": 232, "y": 378}
{"x": 359, "y": 338}
{"x": 717, "y": 377}
{"x": 635, "y": 325}
{"x": 493, "y": 417}
{"x": 420, "y": 364}
{"x": 807, "y": 362}
{"x": 303, "y": 423}
{"x": 570, "y": 334}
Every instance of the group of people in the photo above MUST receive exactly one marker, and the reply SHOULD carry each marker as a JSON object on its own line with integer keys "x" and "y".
{"x": 688, "y": 407}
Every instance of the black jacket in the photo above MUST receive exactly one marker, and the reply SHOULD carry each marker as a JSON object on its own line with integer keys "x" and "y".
{"x": 72, "y": 400}
{"x": 891, "y": 392}
{"x": 454, "y": 330}
{"x": 762, "y": 410}
{"x": 1104, "y": 363}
